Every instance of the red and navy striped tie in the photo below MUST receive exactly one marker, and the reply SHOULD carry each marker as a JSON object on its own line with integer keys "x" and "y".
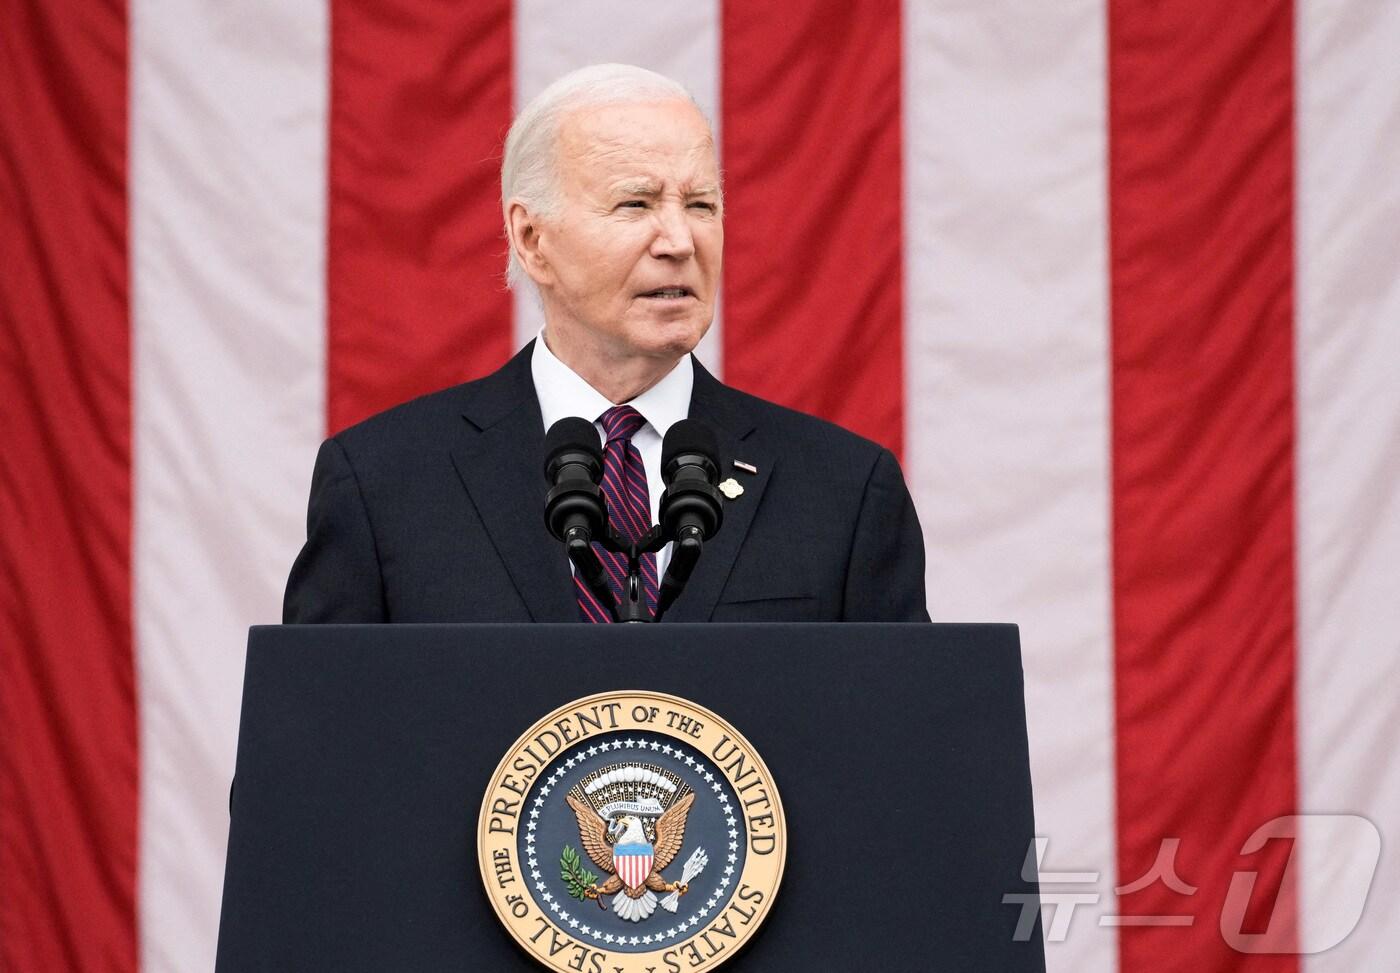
{"x": 629, "y": 511}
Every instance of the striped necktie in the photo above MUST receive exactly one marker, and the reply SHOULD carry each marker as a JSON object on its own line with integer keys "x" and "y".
{"x": 629, "y": 512}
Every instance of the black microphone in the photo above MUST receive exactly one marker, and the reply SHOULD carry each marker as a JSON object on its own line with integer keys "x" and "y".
{"x": 573, "y": 465}
{"x": 691, "y": 510}
{"x": 691, "y": 505}
{"x": 574, "y": 510}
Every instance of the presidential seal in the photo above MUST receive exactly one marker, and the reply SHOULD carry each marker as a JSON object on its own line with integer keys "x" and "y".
{"x": 631, "y": 832}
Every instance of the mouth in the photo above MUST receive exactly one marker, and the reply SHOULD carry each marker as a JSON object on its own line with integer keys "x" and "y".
{"x": 673, "y": 293}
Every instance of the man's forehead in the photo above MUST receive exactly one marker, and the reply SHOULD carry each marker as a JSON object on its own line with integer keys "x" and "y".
{"x": 639, "y": 143}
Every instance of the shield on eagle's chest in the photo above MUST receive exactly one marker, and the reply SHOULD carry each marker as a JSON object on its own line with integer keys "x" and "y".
{"x": 633, "y": 864}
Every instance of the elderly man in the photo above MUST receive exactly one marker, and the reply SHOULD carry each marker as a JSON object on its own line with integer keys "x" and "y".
{"x": 432, "y": 511}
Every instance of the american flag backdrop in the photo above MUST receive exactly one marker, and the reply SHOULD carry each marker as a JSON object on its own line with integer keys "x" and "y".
{"x": 1118, "y": 280}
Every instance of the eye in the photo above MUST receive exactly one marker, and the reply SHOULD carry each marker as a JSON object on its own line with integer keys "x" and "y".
{"x": 632, "y": 204}
{"x": 707, "y": 207}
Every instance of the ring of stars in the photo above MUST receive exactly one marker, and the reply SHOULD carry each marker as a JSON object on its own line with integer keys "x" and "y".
{"x": 574, "y": 923}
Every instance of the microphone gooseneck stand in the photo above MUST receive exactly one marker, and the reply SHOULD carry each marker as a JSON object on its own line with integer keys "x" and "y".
{"x": 632, "y": 607}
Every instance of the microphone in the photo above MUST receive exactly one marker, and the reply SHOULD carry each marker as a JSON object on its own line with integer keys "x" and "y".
{"x": 691, "y": 510}
{"x": 574, "y": 510}
{"x": 573, "y": 465}
{"x": 691, "y": 505}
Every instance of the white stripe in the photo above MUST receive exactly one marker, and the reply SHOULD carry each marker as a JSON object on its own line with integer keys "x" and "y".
{"x": 1006, "y": 370}
{"x": 227, "y": 199}
{"x": 678, "y": 38}
{"x": 1348, "y": 480}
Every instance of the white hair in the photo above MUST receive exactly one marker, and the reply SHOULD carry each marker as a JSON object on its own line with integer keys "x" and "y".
{"x": 528, "y": 172}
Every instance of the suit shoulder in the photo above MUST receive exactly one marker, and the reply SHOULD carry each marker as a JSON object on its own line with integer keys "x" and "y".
{"x": 431, "y": 417}
{"x": 809, "y": 432}
{"x": 422, "y": 416}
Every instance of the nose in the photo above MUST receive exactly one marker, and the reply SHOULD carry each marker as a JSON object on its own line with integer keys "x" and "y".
{"x": 673, "y": 239}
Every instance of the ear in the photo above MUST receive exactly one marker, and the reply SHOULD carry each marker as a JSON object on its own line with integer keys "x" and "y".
{"x": 524, "y": 229}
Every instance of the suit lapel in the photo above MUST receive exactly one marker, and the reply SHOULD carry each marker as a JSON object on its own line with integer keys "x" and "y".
{"x": 498, "y": 457}
{"x": 726, "y": 412}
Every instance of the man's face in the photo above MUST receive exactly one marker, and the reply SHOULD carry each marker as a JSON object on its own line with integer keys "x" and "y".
{"x": 632, "y": 258}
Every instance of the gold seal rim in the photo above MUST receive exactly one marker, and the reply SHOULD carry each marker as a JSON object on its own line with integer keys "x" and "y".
{"x": 780, "y": 831}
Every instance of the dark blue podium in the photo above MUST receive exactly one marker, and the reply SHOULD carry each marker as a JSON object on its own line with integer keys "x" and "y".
{"x": 364, "y": 753}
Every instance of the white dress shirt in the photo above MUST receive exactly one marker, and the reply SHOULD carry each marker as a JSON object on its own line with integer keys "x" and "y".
{"x": 562, "y": 393}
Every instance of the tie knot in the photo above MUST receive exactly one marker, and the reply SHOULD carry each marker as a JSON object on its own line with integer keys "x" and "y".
{"x": 621, "y": 422}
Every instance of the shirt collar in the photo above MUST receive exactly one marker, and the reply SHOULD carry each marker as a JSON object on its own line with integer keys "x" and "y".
{"x": 563, "y": 393}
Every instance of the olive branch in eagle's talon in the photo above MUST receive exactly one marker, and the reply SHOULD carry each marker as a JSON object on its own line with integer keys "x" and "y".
{"x": 580, "y": 882}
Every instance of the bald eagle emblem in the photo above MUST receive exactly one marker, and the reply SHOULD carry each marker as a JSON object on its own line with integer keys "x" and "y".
{"x": 631, "y": 823}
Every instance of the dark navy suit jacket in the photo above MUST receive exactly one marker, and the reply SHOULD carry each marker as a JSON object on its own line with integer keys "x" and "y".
{"x": 434, "y": 512}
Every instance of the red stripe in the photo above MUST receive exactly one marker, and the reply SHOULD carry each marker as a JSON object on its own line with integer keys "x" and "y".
{"x": 68, "y": 738}
{"x": 420, "y": 103}
{"x": 1201, "y": 183}
{"x": 813, "y": 259}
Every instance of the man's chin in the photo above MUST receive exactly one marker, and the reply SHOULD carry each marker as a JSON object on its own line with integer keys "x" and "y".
{"x": 668, "y": 339}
